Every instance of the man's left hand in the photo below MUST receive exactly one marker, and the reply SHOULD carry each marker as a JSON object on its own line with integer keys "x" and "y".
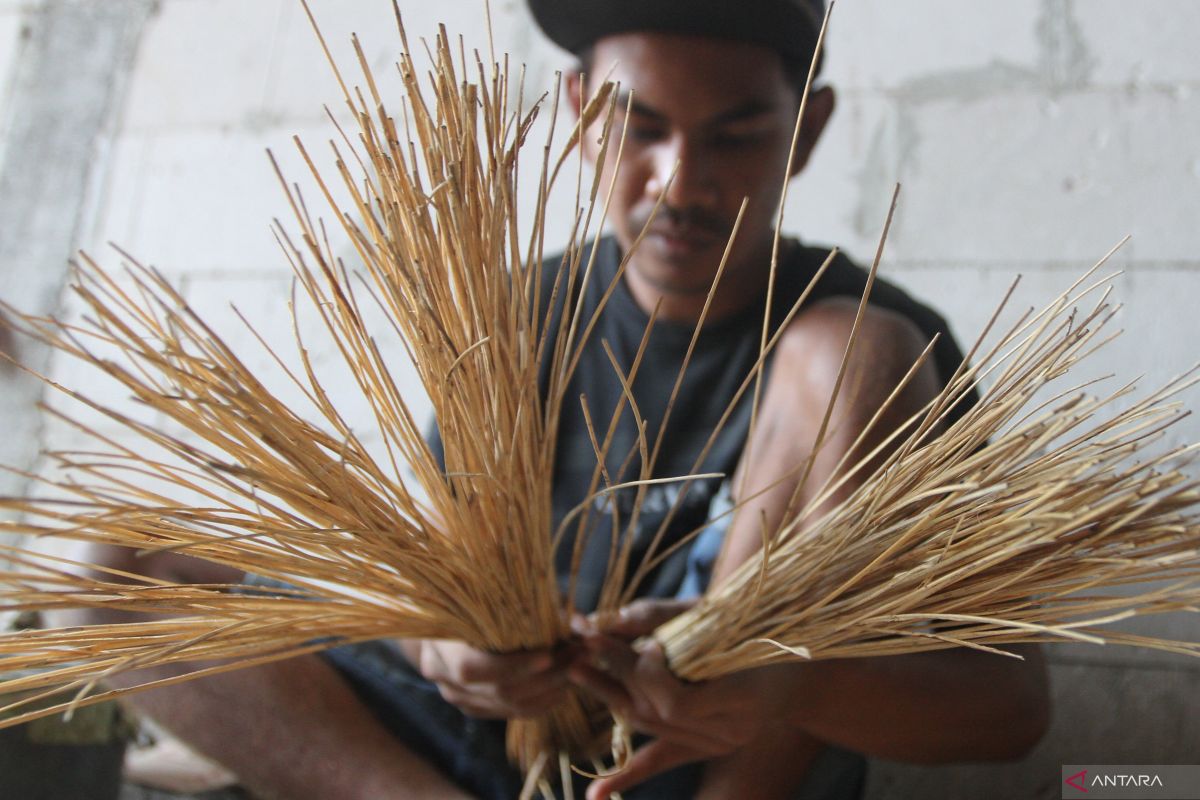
{"x": 689, "y": 721}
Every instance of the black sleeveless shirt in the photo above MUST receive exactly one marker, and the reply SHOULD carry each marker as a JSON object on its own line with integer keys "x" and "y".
{"x": 726, "y": 350}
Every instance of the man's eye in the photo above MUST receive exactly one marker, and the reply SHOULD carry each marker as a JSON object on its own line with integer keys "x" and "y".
{"x": 644, "y": 134}
{"x": 735, "y": 139}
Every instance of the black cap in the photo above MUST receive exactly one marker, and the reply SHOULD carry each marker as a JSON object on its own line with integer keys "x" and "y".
{"x": 789, "y": 27}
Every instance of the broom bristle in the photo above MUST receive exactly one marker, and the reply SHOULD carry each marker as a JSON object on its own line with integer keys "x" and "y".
{"x": 462, "y": 551}
{"x": 1004, "y": 528}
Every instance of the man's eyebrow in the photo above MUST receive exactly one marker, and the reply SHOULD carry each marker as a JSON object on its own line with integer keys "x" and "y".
{"x": 747, "y": 110}
{"x": 642, "y": 110}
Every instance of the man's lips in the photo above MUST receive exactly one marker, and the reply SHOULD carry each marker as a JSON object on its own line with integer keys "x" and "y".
{"x": 685, "y": 239}
{"x": 681, "y": 233}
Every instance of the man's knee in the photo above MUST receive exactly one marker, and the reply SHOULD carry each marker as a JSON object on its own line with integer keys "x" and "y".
{"x": 117, "y": 564}
{"x": 170, "y": 566}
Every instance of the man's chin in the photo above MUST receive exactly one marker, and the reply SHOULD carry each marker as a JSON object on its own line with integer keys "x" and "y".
{"x": 673, "y": 279}
{"x": 679, "y": 266}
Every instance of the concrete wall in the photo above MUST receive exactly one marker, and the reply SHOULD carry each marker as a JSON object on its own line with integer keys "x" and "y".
{"x": 1029, "y": 136}
{"x": 63, "y": 71}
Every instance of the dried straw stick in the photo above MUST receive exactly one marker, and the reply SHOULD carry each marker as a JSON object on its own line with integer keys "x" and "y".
{"x": 462, "y": 551}
{"x": 1006, "y": 527}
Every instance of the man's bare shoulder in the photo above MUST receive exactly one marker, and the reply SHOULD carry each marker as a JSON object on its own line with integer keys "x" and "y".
{"x": 821, "y": 332}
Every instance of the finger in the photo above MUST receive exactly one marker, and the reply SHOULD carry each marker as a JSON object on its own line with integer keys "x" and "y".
{"x": 603, "y": 686}
{"x": 641, "y": 617}
{"x": 699, "y": 734}
{"x": 582, "y": 624}
{"x": 656, "y": 757}
{"x": 465, "y": 664}
{"x": 478, "y": 666}
{"x": 536, "y": 705}
{"x": 488, "y": 704}
{"x": 528, "y": 698}
{"x": 520, "y": 692}
{"x": 643, "y": 674}
{"x": 661, "y": 688}
{"x": 696, "y": 738}
{"x": 610, "y": 655}
{"x": 471, "y": 704}
{"x": 561, "y": 656}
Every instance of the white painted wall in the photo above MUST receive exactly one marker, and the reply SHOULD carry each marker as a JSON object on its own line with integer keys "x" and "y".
{"x": 1029, "y": 136}
{"x": 11, "y": 15}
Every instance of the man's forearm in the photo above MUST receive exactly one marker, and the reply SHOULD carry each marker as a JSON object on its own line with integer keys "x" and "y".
{"x": 950, "y": 705}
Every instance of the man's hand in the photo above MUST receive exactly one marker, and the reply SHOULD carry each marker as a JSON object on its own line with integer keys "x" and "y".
{"x": 488, "y": 685}
{"x": 690, "y": 722}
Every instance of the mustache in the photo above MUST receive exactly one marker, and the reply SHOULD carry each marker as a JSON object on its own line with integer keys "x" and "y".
{"x": 690, "y": 219}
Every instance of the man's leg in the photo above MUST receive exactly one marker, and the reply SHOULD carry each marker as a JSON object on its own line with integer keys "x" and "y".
{"x": 293, "y": 729}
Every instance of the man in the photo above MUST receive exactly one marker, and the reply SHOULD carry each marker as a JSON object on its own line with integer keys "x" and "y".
{"x": 715, "y": 88}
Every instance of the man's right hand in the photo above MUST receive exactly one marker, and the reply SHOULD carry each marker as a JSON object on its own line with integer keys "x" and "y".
{"x": 489, "y": 685}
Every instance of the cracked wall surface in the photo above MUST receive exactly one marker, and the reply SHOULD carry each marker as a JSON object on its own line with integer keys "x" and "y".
{"x": 1029, "y": 137}
{"x": 62, "y": 80}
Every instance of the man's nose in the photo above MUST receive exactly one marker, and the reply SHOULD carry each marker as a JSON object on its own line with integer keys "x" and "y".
{"x": 680, "y": 167}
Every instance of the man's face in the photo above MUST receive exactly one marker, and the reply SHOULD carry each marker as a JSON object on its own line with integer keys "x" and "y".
{"x": 720, "y": 115}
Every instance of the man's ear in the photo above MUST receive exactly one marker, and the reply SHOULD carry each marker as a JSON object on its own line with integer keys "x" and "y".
{"x": 577, "y": 98}
{"x": 821, "y": 103}
{"x": 574, "y": 85}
